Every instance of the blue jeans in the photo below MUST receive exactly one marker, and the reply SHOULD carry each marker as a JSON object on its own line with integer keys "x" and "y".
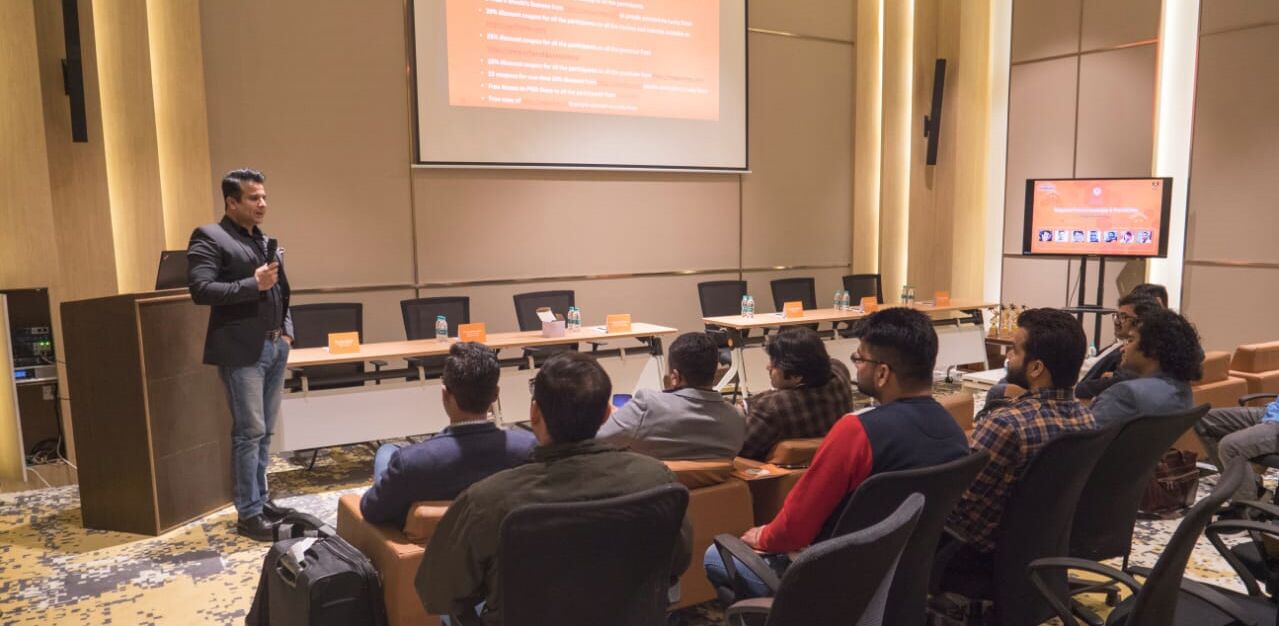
{"x": 755, "y": 587}
{"x": 382, "y": 459}
{"x": 253, "y": 391}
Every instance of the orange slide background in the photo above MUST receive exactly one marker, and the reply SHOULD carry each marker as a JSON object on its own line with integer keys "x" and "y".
{"x": 1118, "y": 209}
{"x": 687, "y": 63}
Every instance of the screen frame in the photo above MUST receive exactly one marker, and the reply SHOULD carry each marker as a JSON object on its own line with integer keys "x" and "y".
{"x": 416, "y": 130}
{"x": 1165, "y": 212}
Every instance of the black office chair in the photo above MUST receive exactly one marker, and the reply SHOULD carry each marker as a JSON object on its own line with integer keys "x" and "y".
{"x": 719, "y": 298}
{"x": 419, "y": 323}
{"x": 526, "y": 306}
{"x": 312, "y": 324}
{"x": 941, "y": 485}
{"x": 791, "y": 289}
{"x": 860, "y": 286}
{"x": 845, "y": 580}
{"x": 592, "y": 562}
{"x": 1035, "y": 524}
{"x": 1167, "y": 598}
{"x": 1107, "y": 509}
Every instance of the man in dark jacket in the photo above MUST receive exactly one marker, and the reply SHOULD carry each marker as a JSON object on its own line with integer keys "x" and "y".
{"x": 470, "y": 449}
{"x": 237, "y": 270}
{"x": 570, "y": 400}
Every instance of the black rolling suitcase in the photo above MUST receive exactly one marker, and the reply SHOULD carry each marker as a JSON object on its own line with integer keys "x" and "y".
{"x": 312, "y": 577}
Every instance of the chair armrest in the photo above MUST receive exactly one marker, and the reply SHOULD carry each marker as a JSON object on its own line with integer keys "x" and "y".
{"x": 1038, "y": 566}
{"x": 1252, "y": 397}
{"x": 753, "y": 606}
{"x": 378, "y": 364}
{"x": 1217, "y": 600}
{"x": 730, "y": 548}
{"x": 1268, "y": 509}
{"x": 1214, "y": 532}
{"x": 595, "y": 345}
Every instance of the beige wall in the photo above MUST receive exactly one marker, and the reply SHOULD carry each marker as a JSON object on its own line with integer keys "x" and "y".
{"x": 321, "y": 106}
{"x": 1232, "y": 261}
{"x": 1081, "y": 104}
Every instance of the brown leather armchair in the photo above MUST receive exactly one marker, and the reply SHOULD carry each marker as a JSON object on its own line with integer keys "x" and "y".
{"x": 1218, "y": 388}
{"x": 717, "y": 503}
{"x": 396, "y": 554}
{"x": 1258, "y": 365}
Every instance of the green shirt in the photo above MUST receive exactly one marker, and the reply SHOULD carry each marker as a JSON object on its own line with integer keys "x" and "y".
{"x": 460, "y": 566}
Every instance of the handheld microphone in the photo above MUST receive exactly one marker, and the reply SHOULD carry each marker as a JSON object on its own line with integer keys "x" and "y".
{"x": 271, "y": 246}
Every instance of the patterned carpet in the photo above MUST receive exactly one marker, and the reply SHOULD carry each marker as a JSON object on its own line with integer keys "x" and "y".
{"x": 53, "y": 571}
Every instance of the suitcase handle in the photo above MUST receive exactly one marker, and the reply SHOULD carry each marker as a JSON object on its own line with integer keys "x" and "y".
{"x": 292, "y": 562}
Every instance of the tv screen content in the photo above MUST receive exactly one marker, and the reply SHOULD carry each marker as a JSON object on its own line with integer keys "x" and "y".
{"x": 1116, "y": 217}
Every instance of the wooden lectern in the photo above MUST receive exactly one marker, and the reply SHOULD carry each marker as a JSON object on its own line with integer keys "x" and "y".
{"x": 151, "y": 421}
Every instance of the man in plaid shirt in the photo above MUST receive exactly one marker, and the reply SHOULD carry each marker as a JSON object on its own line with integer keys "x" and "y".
{"x": 1046, "y": 355}
{"x": 810, "y": 393}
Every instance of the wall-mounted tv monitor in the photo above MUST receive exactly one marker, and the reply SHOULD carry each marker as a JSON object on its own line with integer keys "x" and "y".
{"x": 1118, "y": 217}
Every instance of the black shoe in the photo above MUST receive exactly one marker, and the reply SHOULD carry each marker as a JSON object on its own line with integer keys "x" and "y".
{"x": 257, "y": 528}
{"x": 274, "y": 512}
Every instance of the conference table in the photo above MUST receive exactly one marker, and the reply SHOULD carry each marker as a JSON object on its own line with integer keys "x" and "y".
{"x": 963, "y": 342}
{"x": 391, "y": 409}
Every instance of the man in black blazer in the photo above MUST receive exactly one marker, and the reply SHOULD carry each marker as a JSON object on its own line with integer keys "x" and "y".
{"x": 237, "y": 270}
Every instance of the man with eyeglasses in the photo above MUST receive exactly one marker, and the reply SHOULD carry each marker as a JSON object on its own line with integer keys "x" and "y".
{"x": 1106, "y": 370}
{"x": 909, "y": 429}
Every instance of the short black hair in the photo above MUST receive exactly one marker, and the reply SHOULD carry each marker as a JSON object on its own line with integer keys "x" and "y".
{"x": 470, "y": 374}
{"x": 572, "y": 391}
{"x": 1057, "y": 339}
{"x": 799, "y": 351}
{"x": 1141, "y": 303}
{"x": 905, "y": 339}
{"x": 696, "y": 357}
{"x": 1151, "y": 290}
{"x": 1171, "y": 339}
{"x": 231, "y": 182}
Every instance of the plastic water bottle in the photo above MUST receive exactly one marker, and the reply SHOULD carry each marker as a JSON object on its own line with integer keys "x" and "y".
{"x": 750, "y": 306}
{"x": 746, "y": 306}
{"x": 573, "y": 323}
{"x": 847, "y": 301}
{"x": 839, "y": 300}
{"x": 441, "y": 328}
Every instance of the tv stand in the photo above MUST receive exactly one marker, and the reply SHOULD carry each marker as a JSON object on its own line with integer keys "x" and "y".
{"x": 1097, "y": 308}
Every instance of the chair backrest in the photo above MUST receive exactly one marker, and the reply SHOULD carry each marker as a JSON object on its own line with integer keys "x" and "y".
{"x": 593, "y": 562}
{"x": 312, "y": 324}
{"x": 845, "y": 580}
{"x": 1107, "y": 509}
{"x": 419, "y": 315}
{"x": 942, "y": 486}
{"x": 791, "y": 289}
{"x": 859, "y": 286}
{"x": 721, "y": 297}
{"x": 527, "y": 304}
{"x": 1156, "y": 602}
{"x": 1036, "y": 522}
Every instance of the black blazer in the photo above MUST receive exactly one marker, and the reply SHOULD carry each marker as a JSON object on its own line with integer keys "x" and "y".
{"x": 221, "y": 262}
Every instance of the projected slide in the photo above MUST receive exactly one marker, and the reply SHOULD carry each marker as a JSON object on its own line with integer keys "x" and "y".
{"x": 650, "y": 58}
{"x": 1097, "y": 217}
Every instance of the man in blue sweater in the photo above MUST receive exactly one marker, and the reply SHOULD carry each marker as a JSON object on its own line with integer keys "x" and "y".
{"x": 471, "y": 448}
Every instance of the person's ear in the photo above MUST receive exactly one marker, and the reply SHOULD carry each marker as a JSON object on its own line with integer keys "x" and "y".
{"x": 882, "y": 372}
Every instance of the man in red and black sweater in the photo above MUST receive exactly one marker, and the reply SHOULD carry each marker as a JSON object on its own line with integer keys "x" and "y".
{"x": 894, "y": 365}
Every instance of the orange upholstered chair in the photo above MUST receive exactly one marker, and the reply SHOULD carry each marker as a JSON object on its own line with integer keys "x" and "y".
{"x": 1258, "y": 365}
{"x": 396, "y": 553}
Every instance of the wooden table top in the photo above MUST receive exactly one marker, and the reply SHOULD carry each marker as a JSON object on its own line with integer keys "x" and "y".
{"x": 769, "y": 320}
{"x": 300, "y": 357}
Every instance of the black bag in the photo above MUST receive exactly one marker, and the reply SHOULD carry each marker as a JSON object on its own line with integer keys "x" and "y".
{"x": 312, "y": 577}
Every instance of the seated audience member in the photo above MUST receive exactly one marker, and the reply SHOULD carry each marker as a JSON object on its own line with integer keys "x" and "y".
{"x": 908, "y": 430}
{"x": 1234, "y": 435}
{"x": 571, "y": 394}
{"x": 1164, "y": 355}
{"x": 810, "y": 393}
{"x": 689, "y": 420}
{"x": 468, "y": 449}
{"x": 1105, "y": 371}
{"x": 1048, "y": 349}
{"x": 1151, "y": 290}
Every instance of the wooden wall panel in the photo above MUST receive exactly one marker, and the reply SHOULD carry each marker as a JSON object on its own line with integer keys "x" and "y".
{"x": 1110, "y": 23}
{"x": 129, "y": 138}
{"x": 834, "y": 19}
{"x": 1044, "y": 28}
